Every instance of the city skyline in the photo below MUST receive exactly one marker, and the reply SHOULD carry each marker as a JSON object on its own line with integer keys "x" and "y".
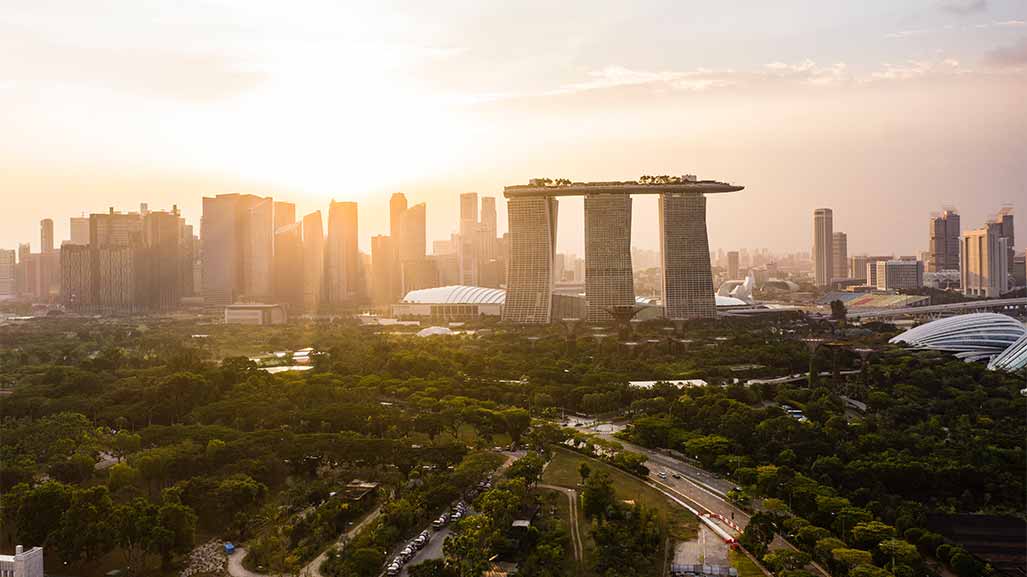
{"x": 97, "y": 123}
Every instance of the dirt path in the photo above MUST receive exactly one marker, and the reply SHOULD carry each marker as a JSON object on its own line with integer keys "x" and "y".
{"x": 572, "y": 499}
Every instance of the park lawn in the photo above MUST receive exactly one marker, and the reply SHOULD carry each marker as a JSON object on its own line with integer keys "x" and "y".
{"x": 745, "y": 566}
{"x": 563, "y": 471}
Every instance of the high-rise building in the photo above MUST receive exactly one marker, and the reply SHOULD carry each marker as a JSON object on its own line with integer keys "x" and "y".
{"x": 397, "y": 206}
{"x": 285, "y": 214}
{"x": 115, "y": 229}
{"x": 608, "y": 277}
{"x": 227, "y": 246}
{"x": 529, "y": 294}
{"x": 342, "y": 255}
{"x": 383, "y": 270}
{"x": 858, "y": 267}
{"x": 8, "y": 278}
{"x": 258, "y": 251}
{"x": 487, "y": 231}
{"x": 413, "y": 233}
{"x": 840, "y": 255}
{"x": 79, "y": 230}
{"x": 685, "y": 252}
{"x": 46, "y": 235}
{"x": 871, "y": 267}
{"x": 823, "y": 249}
{"x": 900, "y": 274}
{"x": 313, "y": 260}
{"x": 289, "y": 268}
{"x": 732, "y": 265}
{"x": 161, "y": 281}
{"x": 468, "y": 213}
{"x": 984, "y": 263}
{"x": 944, "y": 239}
{"x": 1004, "y": 219}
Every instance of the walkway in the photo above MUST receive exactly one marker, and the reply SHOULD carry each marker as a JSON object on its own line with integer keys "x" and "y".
{"x": 313, "y": 569}
{"x": 572, "y": 499}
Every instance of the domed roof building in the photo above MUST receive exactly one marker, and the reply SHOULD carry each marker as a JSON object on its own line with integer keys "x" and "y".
{"x": 972, "y": 337}
{"x": 1012, "y": 359}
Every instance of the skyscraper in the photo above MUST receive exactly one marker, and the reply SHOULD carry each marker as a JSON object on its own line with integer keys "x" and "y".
{"x": 289, "y": 267}
{"x": 984, "y": 261}
{"x": 413, "y": 233}
{"x": 383, "y": 270}
{"x": 397, "y": 206}
{"x": 823, "y": 251}
{"x": 227, "y": 246}
{"x": 8, "y": 282}
{"x": 732, "y": 265}
{"x": 313, "y": 260}
{"x": 944, "y": 241}
{"x": 858, "y": 267}
{"x": 342, "y": 255}
{"x": 608, "y": 277}
{"x": 467, "y": 246}
{"x": 285, "y": 214}
{"x": 161, "y": 279}
{"x": 258, "y": 251}
{"x": 840, "y": 255}
{"x": 487, "y": 230}
{"x": 685, "y": 254}
{"x": 529, "y": 297}
{"x": 46, "y": 235}
{"x": 79, "y": 230}
{"x": 1004, "y": 219}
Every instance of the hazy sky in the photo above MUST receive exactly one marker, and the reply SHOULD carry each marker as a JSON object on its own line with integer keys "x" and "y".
{"x": 881, "y": 110}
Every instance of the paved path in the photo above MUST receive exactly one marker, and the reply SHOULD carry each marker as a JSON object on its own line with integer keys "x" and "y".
{"x": 313, "y": 569}
{"x": 572, "y": 499}
{"x": 235, "y": 568}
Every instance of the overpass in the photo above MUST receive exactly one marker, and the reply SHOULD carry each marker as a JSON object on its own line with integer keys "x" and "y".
{"x": 1012, "y": 307}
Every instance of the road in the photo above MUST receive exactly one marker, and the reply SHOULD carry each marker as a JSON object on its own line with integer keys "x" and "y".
{"x": 572, "y": 500}
{"x": 704, "y": 489}
{"x": 235, "y": 568}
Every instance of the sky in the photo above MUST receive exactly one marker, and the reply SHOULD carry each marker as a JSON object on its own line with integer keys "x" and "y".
{"x": 884, "y": 111}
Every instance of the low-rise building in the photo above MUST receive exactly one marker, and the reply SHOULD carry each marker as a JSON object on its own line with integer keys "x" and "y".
{"x": 23, "y": 563}
{"x": 255, "y": 314}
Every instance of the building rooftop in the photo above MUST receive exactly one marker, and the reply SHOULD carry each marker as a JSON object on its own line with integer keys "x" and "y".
{"x": 619, "y": 187}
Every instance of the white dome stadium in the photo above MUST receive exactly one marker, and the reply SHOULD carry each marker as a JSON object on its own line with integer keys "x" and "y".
{"x": 972, "y": 337}
{"x": 456, "y": 294}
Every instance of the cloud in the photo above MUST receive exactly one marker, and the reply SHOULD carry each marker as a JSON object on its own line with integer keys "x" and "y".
{"x": 619, "y": 76}
{"x": 907, "y": 33}
{"x": 1010, "y": 56}
{"x": 916, "y": 69}
{"x": 1011, "y": 23}
{"x": 963, "y": 7}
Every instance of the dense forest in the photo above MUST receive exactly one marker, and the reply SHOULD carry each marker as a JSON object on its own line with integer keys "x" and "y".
{"x": 127, "y": 444}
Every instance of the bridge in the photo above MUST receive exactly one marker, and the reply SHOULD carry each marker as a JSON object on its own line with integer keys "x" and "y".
{"x": 1012, "y": 307}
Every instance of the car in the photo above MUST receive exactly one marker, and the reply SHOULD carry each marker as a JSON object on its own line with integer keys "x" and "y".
{"x": 676, "y": 475}
{"x": 392, "y": 571}
{"x": 662, "y": 474}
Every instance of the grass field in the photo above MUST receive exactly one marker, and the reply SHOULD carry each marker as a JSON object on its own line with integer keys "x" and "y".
{"x": 563, "y": 471}
{"x": 745, "y": 566}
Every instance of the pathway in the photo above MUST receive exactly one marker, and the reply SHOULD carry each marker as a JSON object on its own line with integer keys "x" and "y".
{"x": 572, "y": 499}
{"x": 313, "y": 569}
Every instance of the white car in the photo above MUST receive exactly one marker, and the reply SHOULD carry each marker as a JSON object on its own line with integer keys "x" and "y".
{"x": 662, "y": 474}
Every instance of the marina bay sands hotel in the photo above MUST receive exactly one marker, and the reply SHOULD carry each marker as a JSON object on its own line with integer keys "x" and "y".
{"x": 684, "y": 246}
